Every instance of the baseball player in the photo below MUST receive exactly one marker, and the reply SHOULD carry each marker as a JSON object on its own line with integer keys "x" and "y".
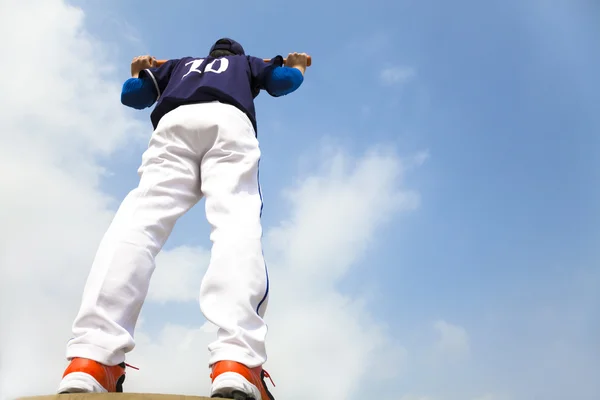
{"x": 204, "y": 144}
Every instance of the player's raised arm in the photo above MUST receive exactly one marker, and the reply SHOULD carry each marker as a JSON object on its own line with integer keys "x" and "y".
{"x": 287, "y": 78}
{"x": 139, "y": 93}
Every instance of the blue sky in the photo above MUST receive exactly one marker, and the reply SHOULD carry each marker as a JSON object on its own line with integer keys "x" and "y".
{"x": 499, "y": 99}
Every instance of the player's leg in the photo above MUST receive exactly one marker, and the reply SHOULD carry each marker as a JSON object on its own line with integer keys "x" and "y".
{"x": 234, "y": 290}
{"x": 120, "y": 275}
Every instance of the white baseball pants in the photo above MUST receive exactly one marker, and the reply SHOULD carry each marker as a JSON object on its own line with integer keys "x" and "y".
{"x": 196, "y": 150}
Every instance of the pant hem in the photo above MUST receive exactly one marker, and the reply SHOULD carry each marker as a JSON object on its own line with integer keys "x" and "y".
{"x": 95, "y": 353}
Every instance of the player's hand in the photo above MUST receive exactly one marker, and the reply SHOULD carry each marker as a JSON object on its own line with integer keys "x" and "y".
{"x": 297, "y": 60}
{"x": 140, "y": 63}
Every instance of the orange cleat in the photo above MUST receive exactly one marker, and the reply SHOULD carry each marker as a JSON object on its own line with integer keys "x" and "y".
{"x": 233, "y": 380}
{"x": 88, "y": 376}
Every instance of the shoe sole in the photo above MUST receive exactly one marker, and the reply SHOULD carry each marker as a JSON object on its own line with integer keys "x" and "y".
{"x": 230, "y": 384}
{"x": 236, "y": 395}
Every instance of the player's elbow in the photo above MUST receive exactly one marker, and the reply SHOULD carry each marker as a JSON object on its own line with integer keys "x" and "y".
{"x": 130, "y": 100}
{"x": 137, "y": 94}
{"x": 284, "y": 80}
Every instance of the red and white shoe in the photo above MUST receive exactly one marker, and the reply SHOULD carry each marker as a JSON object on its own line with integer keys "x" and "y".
{"x": 233, "y": 380}
{"x": 88, "y": 376}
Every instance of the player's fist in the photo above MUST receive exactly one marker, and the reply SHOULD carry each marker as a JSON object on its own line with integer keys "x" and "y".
{"x": 140, "y": 63}
{"x": 297, "y": 60}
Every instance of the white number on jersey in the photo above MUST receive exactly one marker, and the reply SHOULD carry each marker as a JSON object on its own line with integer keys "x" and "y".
{"x": 224, "y": 63}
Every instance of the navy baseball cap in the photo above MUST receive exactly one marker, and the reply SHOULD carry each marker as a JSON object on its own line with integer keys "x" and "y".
{"x": 229, "y": 45}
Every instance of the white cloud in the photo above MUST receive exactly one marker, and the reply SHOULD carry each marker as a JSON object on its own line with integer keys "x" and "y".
{"x": 59, "y": 114}
{"x": 337, "y": 213}
{"x": 177, "y": 275}
{"x": 396, "y": 75}
{"x": 453, "y": 340}
{"x": 421, "y": 157}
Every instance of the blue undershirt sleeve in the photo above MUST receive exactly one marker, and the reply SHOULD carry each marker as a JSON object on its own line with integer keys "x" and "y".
{"x": 138, "y": 93}
{"x": 283, "y": 80}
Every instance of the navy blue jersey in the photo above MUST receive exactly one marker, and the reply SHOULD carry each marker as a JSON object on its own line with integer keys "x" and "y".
{"x": 234, "y": 80}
